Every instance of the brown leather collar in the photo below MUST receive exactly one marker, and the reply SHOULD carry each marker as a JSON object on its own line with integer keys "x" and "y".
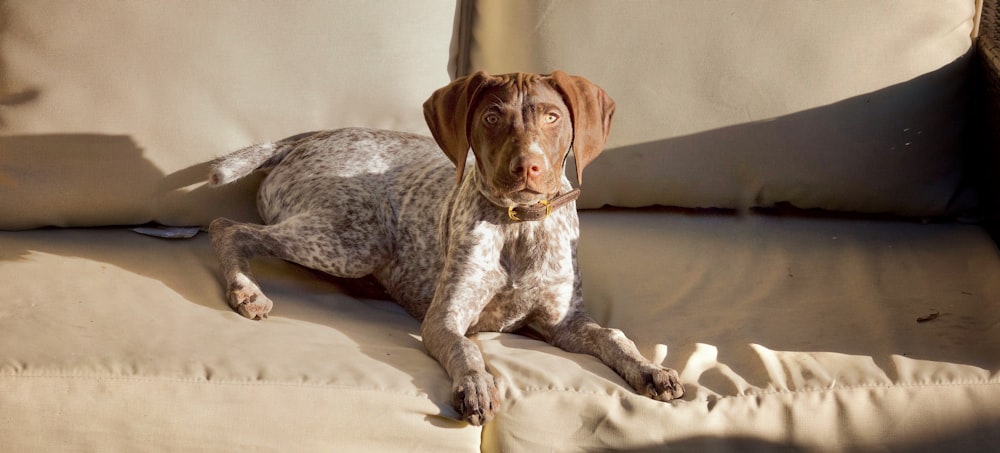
{"x": 542, "y": 209}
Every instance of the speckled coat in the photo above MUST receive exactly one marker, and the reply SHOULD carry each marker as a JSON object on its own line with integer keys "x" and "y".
{"x": 356, "y": 202}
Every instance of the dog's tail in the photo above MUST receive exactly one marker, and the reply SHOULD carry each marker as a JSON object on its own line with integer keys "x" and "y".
{"x": 243, "y": 162}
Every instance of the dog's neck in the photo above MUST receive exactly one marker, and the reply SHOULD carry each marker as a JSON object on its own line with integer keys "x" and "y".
{"x": 524, "y": 212}
{"x": 542, "y": 209}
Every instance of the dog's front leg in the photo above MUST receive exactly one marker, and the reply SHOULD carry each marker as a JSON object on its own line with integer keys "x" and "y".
{"x": 468, "y": 282}
{"x": 474, "y": 393}
{"x": 581, "y": 334}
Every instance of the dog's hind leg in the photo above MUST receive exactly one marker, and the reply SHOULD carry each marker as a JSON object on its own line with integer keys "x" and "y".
{"x": 235, "y": 243}
{"x": 302, "y": 239}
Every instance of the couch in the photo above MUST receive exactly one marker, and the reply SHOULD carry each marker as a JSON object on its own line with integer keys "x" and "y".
{"x": 794, "y": 211}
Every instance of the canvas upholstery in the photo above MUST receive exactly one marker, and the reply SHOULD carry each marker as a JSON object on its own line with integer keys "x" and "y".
{"x": 850, "y": 106}
{"x": 824, "y": 330}
{"x": 126, "y": 102}
{"x": 116, "y": 348}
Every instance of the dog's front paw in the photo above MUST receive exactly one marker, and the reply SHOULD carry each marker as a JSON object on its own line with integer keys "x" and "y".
{"x": 659, "y": 383}
{"x": 476, "y": 397}
{"x": 250, "y": 302}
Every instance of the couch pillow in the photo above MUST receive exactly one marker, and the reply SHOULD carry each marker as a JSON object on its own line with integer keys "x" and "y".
{"x": 852, "y": 105}
{"x": 111, "y": 109}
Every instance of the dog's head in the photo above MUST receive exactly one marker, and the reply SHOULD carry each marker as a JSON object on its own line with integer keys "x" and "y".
{"x": 521, "y": 128}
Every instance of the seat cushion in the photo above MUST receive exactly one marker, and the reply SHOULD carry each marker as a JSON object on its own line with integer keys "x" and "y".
{"x": 115, "y": 341}
{"x": 787, "y": 332}
{"x": 810, "y": 333}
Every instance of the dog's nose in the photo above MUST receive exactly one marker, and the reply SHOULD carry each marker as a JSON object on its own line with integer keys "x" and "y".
{"x": 530, "y": 166}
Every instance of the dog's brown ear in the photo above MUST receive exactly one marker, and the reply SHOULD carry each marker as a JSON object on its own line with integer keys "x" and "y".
{"x": 447, "y": 113}
{"x": 590, "y": 109}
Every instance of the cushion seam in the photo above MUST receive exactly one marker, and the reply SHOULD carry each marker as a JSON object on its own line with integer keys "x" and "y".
{"x": 222, "y": 382}
{"x": 755, "y": 394}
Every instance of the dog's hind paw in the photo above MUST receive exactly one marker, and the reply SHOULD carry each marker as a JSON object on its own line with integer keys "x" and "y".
{"x": 250, "y": 302}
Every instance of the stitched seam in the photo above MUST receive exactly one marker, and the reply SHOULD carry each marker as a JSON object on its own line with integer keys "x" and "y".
{"x": 755, "y": 394}
{"x": 524, "y": 390}
{"x": 221, "y": 382}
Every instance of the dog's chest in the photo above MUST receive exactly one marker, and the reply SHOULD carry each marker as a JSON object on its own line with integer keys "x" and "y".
{"x": 536, "y": 278}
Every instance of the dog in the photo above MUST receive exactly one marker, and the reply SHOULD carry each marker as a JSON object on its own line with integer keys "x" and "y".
{"x": 464, "y": 243}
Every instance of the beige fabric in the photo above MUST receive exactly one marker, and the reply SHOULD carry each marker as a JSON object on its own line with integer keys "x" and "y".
{"x": 117, "y": 342}
{"x": 849, "y": 105}
{"x": 787, "y": 332}
{"x": 112, "y": 108}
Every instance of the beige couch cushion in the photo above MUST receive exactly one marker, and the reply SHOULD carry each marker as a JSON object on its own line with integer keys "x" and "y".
{"x": 111, "y": 109}
{"x": 116, "y": 342}
{"x": 851, "y": 105}
{"x": 787, "y": 332}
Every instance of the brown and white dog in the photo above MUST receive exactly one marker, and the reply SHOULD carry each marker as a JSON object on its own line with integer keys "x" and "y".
{"x": 494, "y": 252}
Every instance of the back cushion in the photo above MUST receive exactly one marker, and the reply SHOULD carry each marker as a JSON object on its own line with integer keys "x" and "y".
{"x": 112, "y": 109}
{"x": 850, "y": 105}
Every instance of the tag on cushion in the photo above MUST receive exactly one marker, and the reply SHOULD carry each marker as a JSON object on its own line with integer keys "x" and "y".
{"x": 168, "y": 232}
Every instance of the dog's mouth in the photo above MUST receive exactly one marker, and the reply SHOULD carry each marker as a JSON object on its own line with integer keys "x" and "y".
{"x": 521, "y": 192}
{"x": 525, "y": 197}
{"x": 518, "y": 196}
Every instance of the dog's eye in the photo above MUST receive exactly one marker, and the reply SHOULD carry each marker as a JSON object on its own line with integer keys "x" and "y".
{"x": 551, "y": 117}
{"x": 492, "y": 119}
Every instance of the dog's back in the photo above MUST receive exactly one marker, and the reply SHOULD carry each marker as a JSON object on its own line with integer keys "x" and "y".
{"x": 385, "y": 189}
